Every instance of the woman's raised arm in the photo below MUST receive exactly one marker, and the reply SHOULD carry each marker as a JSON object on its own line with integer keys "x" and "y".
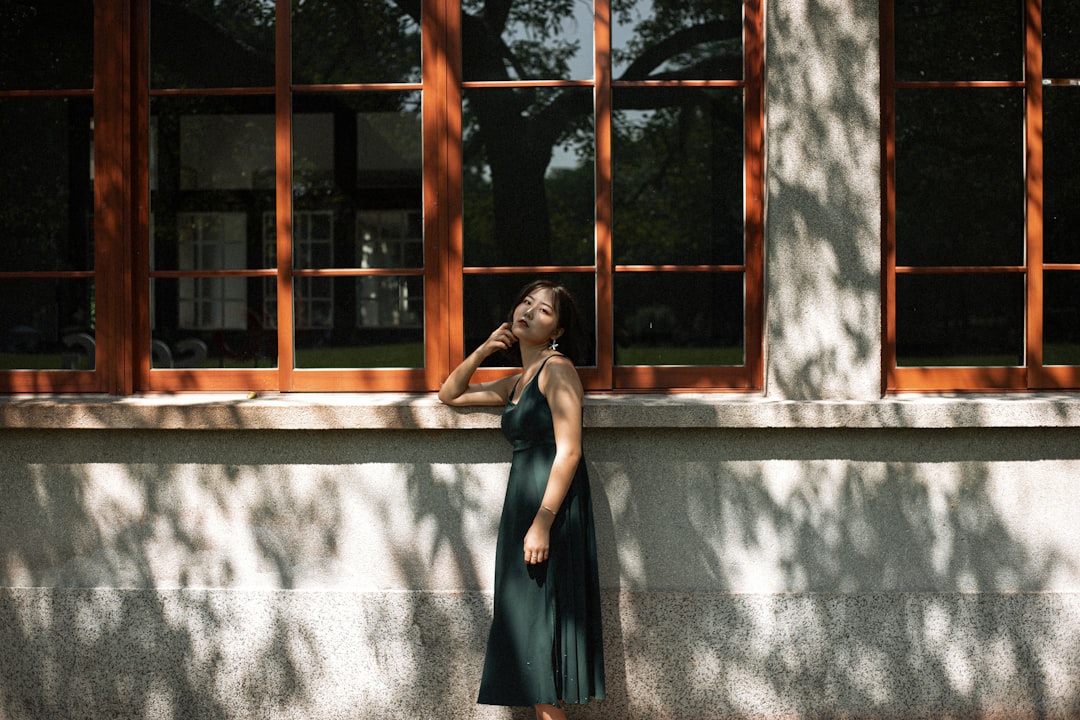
{"x": 457, "y": 391}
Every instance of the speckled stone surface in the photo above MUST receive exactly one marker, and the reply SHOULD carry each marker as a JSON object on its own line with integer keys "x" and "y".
{"x": 824, "y": 245}
{"x": 773, "y": 573}
{"x": 195, "y": 654}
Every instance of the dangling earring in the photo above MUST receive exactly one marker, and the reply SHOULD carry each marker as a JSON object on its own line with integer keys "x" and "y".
{"x": 554, "y": 345}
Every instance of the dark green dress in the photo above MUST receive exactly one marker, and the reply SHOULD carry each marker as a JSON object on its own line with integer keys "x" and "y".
{"x": 545, "y": 643}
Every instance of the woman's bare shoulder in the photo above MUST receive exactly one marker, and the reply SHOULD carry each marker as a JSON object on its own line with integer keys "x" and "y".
{"x": 559, "y": 371}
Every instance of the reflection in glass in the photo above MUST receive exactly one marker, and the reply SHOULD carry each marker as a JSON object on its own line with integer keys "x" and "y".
{"x": 677, "y": 184}
{"x": 46, "y": 175}
{"x": 960, "y": 320}
{"x": 211, "y": 322}
{"x": 357, "y": 181}
{"x": 679, "y": 319}
{"x": 47, "y": 324}
{"x": 359, "y": 322}
{"x": 1061, "y": 182}
{"x": 237, "y": 36}
{"x": 959, "y": 39}
{"x": 489, "y": 300}
{"x": 212, "y": 182}
{"x": 1061, "y": 318}
{"x": 344, "y": 41}
{"x": 959, "y": 177}
{"x": 550, "y": 40}
{"x": 1061, "y": 39}
{"x": 528, "y": 177}
{"x": 677, "y": 41}
{"x": 46, "y": 45}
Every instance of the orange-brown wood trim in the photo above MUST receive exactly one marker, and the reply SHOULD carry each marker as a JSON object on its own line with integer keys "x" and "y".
{"x": 446, "y": 93}
{"x": 754, "y": 283}
{"x": 960, "y": 379}
{"x": 889, "y": 378}
{"x": 283, "y": 200}
{"x": 604, "y": 253}
{"x": 1033, "y": 156}
{"x": 140, "y": 193}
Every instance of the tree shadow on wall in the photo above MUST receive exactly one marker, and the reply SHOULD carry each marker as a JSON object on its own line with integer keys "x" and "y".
{"x": 824, "y": 208}
{"x": 891, "y": 578}
{"x": 821, "y": 574}
{"x": 119, "y": 559}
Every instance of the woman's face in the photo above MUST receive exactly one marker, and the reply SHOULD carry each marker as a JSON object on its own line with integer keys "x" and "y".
{"x": 535, "y": 321}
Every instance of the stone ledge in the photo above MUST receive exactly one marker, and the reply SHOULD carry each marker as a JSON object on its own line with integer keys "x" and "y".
{"x": 398, "y": 411}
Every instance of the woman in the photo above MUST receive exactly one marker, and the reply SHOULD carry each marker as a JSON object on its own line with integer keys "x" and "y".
{"x": 545, "y": 646}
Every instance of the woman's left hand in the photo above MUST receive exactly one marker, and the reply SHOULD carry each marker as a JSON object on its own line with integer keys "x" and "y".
{"x": 537, "y": 543}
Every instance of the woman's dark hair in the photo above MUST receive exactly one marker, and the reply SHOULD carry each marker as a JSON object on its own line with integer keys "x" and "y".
{"x": 572, "y": 341}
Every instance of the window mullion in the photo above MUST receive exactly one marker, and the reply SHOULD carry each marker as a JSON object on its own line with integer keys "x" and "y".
{"x": 605, "y": 334}
{"x": 112, "y": 261}
{"x": 1034, "y": 184}
{"x": 441, "y": 58}
{"x": 754, "y": 156}
{"x": 284, "y": 190}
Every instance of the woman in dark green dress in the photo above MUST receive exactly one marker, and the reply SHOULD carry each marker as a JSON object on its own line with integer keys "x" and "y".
{"x": 545, "y": 646}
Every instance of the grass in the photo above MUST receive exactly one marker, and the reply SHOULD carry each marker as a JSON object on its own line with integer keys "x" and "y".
{"x": 411, "y": 355}
{"x": 639, "y": 355}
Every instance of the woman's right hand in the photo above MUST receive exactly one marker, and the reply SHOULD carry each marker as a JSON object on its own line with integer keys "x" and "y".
{"x": 502, "y": 339}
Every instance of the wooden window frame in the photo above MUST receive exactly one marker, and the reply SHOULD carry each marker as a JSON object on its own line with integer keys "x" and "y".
{"x": 1033, "y": 375}
{"x": 123, "y": 275}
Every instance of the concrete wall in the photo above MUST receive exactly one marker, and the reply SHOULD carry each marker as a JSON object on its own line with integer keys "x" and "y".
{"x": 748, "y": 572}
{"x": 816, "y": 551}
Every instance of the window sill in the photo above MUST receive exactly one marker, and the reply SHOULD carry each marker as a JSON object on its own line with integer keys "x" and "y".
{"x": 398, "y": 411}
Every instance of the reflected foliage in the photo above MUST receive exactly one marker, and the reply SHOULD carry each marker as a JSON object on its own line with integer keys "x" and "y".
{"x": 46, "y": 207}
{"x": 677, "y": 153}
{"x": 961, "y": 198}
{"x": 959, "y": 177}
{"x": 960, "y": 320}
{"x": 46, "y": 45}
{"x": 529, "y": 172}
{"x": 237, "y": 34}
{"x": 678, "y": 177}
{"x": 677, "y": 40}
{"x": 353, "y": 42}
{"x": 959, "y": 40}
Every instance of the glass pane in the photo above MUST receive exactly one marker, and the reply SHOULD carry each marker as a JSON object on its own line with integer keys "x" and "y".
{"x": 489, "y": 300}
{"x": 357, "y": 181}
{"x": 679, "y": 319}
{"x": 677, "y": 176}
{"x": 46, "y": 45}
{"x": 959, "y": 177}
{"x": 1061, "y": 318}
{"x": 344, "y": 41}
{"x": 236, "y": 37}
{"x": 46, "y": 172}
{"x": 218, "y": 322}
{"x": 677, "y": 41}
{"x": 960, "y": 320}
{"x": 1061, "y": 39}
{"x": 529, "y": 177}
{"x": 959, "y": 39}
{"x": 212, "y": 183}
{"x": 1061, "y": 182}
{"x": 365, "y": 322}
{"x": 47, "y": 324}
{"x": 550, "y": 40}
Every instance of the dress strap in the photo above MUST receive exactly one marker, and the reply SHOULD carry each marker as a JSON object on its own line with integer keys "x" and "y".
{"x": 535, "y": 378}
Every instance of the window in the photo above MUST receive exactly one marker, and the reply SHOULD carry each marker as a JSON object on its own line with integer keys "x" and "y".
{"x": 332, "y": 195}
{"x": 980, "y": 105}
